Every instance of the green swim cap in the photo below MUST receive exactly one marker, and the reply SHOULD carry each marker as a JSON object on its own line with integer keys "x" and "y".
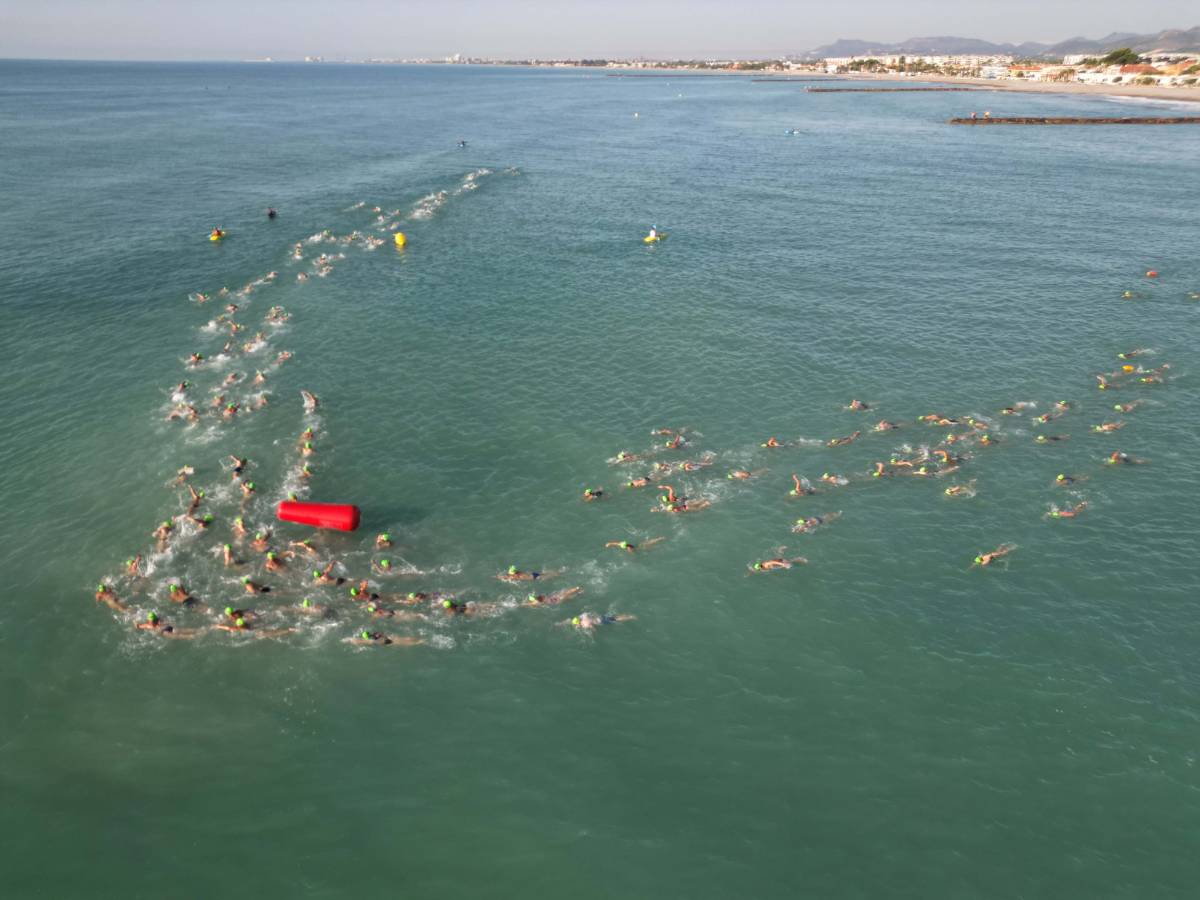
{"x": 166, "y": 523}
{"x": 238, "y": 521}
{"x": 316, "y": 573}
{"x": 271, "y": 555}
{"x": 1117, "y": 406}
{"x": 306, "y": 603}
{"x": 172, "y": 588}
{"x": 447, "y": 604}
{"x": 207, "y": 518}
{"x": 385, "y": 537}
{"x": 245, "y": 579}
{"x": 102, "y": 586}
{"x": 259, "y": 536}
{"x": 629, "y": 484}
{"x": 758, "y": 565}
{"x": 412, "y": 596}
{"x": 308, "y": 445}
{"x": 240, "y": 623}
{"x": 979, "y": 559}
{"x": 353, "y": 592}
{"x": 366, "y": 635}
{"x": 250, "y": 485}
{"x": 292, "y": 496}
{"x": 228, "y": 546}
{"x": 575, "y": 621}
{"x": 385, "y": 563}
{"x": 512, "y": 570}
{"x": 624, "y": 545}
{"x": 229, "y": 610}
{"x": 1060, "y": 477}
{"x": 371, "y": 607}
{"x": 824, "y": 474}
{"x": 151, "y": 617}
{"x": 532, "y": 598}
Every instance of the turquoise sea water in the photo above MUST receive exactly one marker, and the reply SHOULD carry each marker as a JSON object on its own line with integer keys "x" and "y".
{"x": 885, "y": 721}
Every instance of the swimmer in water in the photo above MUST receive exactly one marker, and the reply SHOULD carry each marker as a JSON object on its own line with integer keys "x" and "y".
{"x": 184, "y": 411}
{"x": 986, "y": 559}
{"x": 107, "y": 596}
{"x": 284, "y": 356}
{"x": 552, "y": 599}
{"x": 383, "y": 541}
{"x": 857, "y": 405}
{"x": 674, "y": 443}
{"x": 642, "y": 482}
{"x": 310, "y": 401}
{"x": 625, "y": 456}
{"x": 271, "y": 212}
{"x": 514, "y": 575}
{"x": 803, "y": 487}
{"x": 197, "y": 499}
{"x": 1068, "y": 513}
{"x": 777, "y": 564}
{"x": 195, "y": 359}
{"x": 274, "y": 561}
{"x": 261, "y": 541}
{"x": 771, "y": 443}
{"x": 379, "y": 612}
{"x": 133, "y": 566}
{"x": 324, "y": 576}
{"x": 884, "y": 425}
{"x": 1103, "y": 383}
{"x": 227, "y": 556}
{"x": 588, "y": 622}
{"x": 835, "y": 480}
{"x": 231, "y": 378}
{"x": 309, "y": 608}
{"x": 362, "y": 591}
{"x": 247, "y": 490}
{"x": 163, "y": 533}
{"x": 1123, "y": 459}
{"x": 383, "y": 567}
{"x": 307, "y": 449}
{"x": 253, "y": 587}
{"x": 743, "y": 474}
{"x": 812, "y": 523}
{"x": 1051, "y": 438}
{"x": 179, "y": 594}
{"x": 260, "y": 377}
{"x": 379, "y": 639}
{"x": 961, "y": 490}
{"x": 630, "y": 547}
{"x": 239, "y": 527}
{"x": 685, "y": 506}
{"x": 1127, "y": 407}
{"x": 1108, "y": 427}
{"x": 154, "y": 624}
{"x": 689, "y": 465}
{"x": 1132, "y": 354}
{"x": 843, "y": 442}
{"x": 304, "y": 546}
{"x": 880, "y": 470}
{"x": 591, "y": 494}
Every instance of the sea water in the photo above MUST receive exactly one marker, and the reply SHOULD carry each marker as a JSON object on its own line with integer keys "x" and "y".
{"x": 886, "y": 720}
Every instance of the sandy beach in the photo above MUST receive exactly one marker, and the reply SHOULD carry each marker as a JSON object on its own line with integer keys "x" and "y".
{"x": 1145, "y": 92}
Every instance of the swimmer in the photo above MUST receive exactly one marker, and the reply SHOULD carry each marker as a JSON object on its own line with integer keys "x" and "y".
{"x": 553, "y": 599}
{"x": 179, "y": 594}
{"x": 253, "y": 587}
{"x": 1064, "y": 480}
{"x": 857, "y": 405}
{"x": 310, "y": 401}
{"x": 203, "y": 521}
{"x": 469, "y": 608}
{"x": 305, "y": 472}
{"x": 304, "y": 546}
{"x": 309, "y": 608}
{"x": 261, "y": 541}
{"x": 216, "y": 401}
{"x": 1108, "y": 427}
{"x": 1132, "y": 354}
{"x": 195, "y": 359}
{"x": 743, "y": 475}
{"x": 155, "y": 624}
{"x": 835, "y": 480}
{"x": 260, "y": 377}
{"x": 884, "y": 425}
{"x": 274, "y": 562}
{"x": 591, "y": 494}
{"x": 307, "y": 449}
{"x": 589, "y": 622}
{"x": 383, "y": 567}
{"x": 771, "y": 443}
{"x": 1051, "y": 438}
{"x": 629, "y": 547}
{"x": 1123, "y": 459}
{"x": 642, "y": 482}
{"x": 987, "y": 440}
{"x": 362, "y": 591}
{"x": 379, "y": 639}
{"x": 227, "y": 556}
{"x": 271, "y": 212}
{"x": 811, "y": 523}
{"x": 247, "y": 490}
{"x": 880, "y": 470}
{"x": 197, "y": 499}
{"x": 163, "y": 533}
{"x": 961, "y": 490}
{"x": 689, "y": 465}
{"x": 231, "y": 378}
{"x": 1062, "y": 405}
{"x": 324, "y": 576}
{"x": 1103, "y": 383}
{"x": 685, "y": 506}
{"x": 383, "y": 541}
{"x": 107, "y": 596}
{"x": 1068, "y": 513}
{"x": 1127, "y": 407}
{"x": 184, "y": 411}
{"x": 625, "y": 456}
{"x": 514, "y": 575}
{"x": 133, "y": 566}
{"x": 239, "y": 527}
{"x": 986, "y": 559}
{"x": 284, "y": 356}
{"x": 674, "y": 443}
{"x": 777, "y": 564}
{"x": 803, "y": 487}
{"x": 181, "y": 388}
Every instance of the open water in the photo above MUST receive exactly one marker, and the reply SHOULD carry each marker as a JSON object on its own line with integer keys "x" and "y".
{"x": 885, "y": 721}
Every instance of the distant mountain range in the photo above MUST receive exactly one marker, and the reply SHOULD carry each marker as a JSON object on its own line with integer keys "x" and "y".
{"x": 1171, "y": 39}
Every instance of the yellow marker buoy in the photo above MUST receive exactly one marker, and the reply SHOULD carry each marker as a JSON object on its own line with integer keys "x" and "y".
{"x": 401, "y": 240}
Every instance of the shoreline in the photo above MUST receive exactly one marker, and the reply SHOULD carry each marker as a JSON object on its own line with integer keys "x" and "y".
{"x": 1134, "y": 91}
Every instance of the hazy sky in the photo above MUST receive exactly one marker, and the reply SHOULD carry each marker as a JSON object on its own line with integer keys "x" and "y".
{"x": 238, "y": 29}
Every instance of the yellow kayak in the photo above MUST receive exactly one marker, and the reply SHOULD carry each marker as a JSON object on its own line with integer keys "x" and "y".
{"x": 215, "y": 236}
{"x": 653, "y": 238}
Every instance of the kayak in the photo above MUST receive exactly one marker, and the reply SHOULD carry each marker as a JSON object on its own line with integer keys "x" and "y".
{"x": 653, "y": 239}
{"x": 216, "y": 237}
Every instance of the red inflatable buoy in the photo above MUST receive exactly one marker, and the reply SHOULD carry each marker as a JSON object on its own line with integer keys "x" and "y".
{"x": 1151, "y": 274}
{"x": 339, "y": 516}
